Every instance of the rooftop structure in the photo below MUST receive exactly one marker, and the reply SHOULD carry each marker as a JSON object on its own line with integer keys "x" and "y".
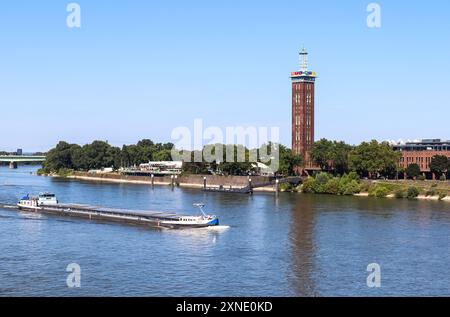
{"x": 423, "y": 145}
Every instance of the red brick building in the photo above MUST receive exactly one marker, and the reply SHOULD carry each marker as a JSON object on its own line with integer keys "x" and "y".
{"x": 421, "y": 153}
{"x": 303, "y": 89}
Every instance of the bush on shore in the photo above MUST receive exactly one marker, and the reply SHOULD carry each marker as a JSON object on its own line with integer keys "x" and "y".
{"x": 308, "y": 185}
{"x": 324, "y": 183}
{"x": 62, "y": 172}
{"x": 379, "y": 191}
{"x": 412, "y": 193}
{"x": 352, "y": 188}
{"x": 400, "y": 194}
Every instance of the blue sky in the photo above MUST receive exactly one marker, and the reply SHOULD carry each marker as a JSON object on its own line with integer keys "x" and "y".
{"x": 138, "y": 69}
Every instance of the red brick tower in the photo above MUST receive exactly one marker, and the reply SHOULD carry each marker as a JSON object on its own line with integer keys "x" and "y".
{"x": 303, "y": 108}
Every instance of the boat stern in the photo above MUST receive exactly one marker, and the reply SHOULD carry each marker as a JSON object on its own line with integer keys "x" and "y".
{"x": 213, "y": 222}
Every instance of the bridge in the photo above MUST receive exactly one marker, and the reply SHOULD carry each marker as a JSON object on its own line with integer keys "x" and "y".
{"x": 14, "y": 159}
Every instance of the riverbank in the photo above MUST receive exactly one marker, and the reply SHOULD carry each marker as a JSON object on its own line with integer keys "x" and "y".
{"x": 186, "y": 181}
{"x": 399, "y": 189}
{"x": 420, "y": 197}
{"x": 424, "y": 190}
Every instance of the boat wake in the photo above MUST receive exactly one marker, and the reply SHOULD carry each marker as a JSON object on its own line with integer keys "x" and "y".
{"x": 200, "y": 232}
{"x": 217, "y": 228}
{"x": 32, "y": 216}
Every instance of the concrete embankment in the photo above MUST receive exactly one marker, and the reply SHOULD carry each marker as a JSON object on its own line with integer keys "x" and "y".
{"x": 188, "y": 181}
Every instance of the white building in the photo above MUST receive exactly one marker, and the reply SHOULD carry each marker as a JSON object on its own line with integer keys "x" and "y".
{"x": 263, "y": 169}
{"x": 162, "y": 167}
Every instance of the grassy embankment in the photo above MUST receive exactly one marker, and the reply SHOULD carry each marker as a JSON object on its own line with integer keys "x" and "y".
{"x": 406, "y": 189}
{"x": 350, "y": 184}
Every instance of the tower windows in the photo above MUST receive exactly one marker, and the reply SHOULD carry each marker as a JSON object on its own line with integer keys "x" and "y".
{"x": 303, "y": 108}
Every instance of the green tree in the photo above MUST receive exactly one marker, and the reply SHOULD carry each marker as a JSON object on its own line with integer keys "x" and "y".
{"x": 322, "y": 154}
{"x": 163, "y": 155}
{"x": 330, "y": 155}
{"x": 341, "y": 152}
{"x": 97, "y": 155}
{"x": 373, "y": 159}
{"x": 236, "y": 166}
{"x": 144, "y": 153}
{"x": 439, "y": 165}
{"x": 288, "y": 161}
{"x": 413, "y": 171}
{"x": 60, "y": 157}
{"x": 193, "y": 167}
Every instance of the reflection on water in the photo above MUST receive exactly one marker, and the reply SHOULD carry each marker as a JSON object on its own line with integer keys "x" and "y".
{"x": 268, "y": 245}
{"x": 302, "y": 246}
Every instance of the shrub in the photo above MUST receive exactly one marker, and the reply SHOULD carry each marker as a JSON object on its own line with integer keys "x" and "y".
{"x": 442, "y": 178}
{"x": 379, "y": 191}
{"x": 309, "y": 185}
{"x": 365, "y": 187}
{"x": 285, "y": 187}
{"x": 413, "y": 170}
{"x": 430, "y": 193}
{"x": 353, "y": 176}
{"x": 434, "y": 185}
{"x": 321, "y": 183}
{"x": 352, "y": 188}
{"x": 349, "y": 184}
{"x": 400, "y": 193}
{"x": 421, "y": 178}
{"x": 442, "y": 196}
{"x": 332, "y": 187}
{"x": 412, "y": 193}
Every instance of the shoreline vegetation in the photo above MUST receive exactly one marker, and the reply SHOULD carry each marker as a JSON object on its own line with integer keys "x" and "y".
{"x": 369, "y": 169}
{"x": 99, "y": 154}
{"x": 351, "y": 185}
{"x": 320, "y": 184}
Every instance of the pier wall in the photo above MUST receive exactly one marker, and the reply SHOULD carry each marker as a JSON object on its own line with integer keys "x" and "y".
{"x": 193, "y": 181}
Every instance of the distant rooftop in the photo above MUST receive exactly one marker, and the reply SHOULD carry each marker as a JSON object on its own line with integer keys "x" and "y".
{"x": 428, "y": 141}
{"x": 423, "y": 145}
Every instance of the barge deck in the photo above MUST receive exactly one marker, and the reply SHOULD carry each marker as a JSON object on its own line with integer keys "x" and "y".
{"x": 137, "y": 217}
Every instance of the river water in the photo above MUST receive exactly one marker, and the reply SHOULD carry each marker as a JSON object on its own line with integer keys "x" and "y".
{"x": 268, "y": 245}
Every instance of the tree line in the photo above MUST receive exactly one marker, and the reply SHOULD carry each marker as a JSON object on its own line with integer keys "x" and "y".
{"x": 287, "y": 160}
{"x": 369, "y": 159}
{"x": 100, "y": 154}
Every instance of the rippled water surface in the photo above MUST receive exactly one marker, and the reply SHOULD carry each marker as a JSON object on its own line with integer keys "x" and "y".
{"x": 290, "y": 245}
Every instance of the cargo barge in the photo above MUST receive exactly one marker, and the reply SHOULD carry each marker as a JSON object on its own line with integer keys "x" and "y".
{"x": 47, "y": 203}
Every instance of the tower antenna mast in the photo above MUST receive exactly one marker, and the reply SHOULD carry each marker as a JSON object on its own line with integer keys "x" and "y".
{"x": 304, "y": 60}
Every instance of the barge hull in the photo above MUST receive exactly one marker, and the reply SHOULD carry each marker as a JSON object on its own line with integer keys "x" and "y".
{"x": 122, "y": 218}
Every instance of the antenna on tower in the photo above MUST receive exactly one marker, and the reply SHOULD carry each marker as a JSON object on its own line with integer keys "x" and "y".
{"x": 304, "y": 59}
